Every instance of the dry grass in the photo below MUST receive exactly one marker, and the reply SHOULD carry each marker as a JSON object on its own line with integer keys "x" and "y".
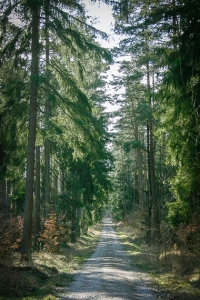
{"x": 48, "y": 274}
{"x": 175, "y": 273}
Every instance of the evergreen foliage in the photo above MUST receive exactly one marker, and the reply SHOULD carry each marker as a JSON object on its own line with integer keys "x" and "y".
{"x": 49, "y": 82}
{"x": 52, "y": 91}
{"x": 161, "y": 38}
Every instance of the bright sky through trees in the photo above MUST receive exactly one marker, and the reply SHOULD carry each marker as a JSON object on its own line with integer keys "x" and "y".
{"x": 105, "y": 22}
{"x": 102, "y": 19}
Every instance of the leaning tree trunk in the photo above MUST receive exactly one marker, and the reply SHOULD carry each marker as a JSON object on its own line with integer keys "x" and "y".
{"x": 27, "y": 228}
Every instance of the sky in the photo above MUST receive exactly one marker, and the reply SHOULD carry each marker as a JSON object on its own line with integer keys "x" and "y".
{"x": 105, "y": 22}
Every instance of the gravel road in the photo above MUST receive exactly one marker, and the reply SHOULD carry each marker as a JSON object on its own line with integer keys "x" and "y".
{"x": 108, "y": 274}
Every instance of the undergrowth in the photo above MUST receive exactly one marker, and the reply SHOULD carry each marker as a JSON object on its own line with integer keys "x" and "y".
{"x": 48, "y": 274}
{"x": 175, "y": 273}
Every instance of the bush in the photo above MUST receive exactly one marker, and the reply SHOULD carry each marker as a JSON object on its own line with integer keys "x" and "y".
{"x": 10, "y": 234}
{"x": 54, "y": 234}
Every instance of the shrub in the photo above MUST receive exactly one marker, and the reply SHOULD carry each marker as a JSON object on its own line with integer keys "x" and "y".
{"x": 10, "y": 234}
{"x": 54, "y": 234}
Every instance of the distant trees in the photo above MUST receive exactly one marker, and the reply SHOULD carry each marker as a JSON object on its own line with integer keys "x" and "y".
{"x": 161, "y": 39}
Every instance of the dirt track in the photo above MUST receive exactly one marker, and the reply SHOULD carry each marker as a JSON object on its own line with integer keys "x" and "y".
{"x": 108, "y": 274}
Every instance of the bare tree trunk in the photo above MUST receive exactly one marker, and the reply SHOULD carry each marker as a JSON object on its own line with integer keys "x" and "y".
{"x": 139, "y": 167}
{"x": 3, "y": 197}
{"x": 55, "y": 185}
{"x": 74, "y": 208}
{"x": 37, "y": 199}
{"x": 78, "y": 217}
{"x": 47, "y": 178}
{"x": 134, "y": 190}
{"x": 152, "y": 168}
{"x": 123, "y": 182}
{"x": 47, "y": 112}
{"x": 4, "y": 207}
{"x": 27, "y": 228}
{"x": 62, "y": 181}
{"x": 147, "y": 196}
{"x": 139, "y": 158}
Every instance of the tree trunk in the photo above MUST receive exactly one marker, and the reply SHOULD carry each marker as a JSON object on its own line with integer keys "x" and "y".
{"x": 3, "y": 197}
{"x": 139, "y": 157}
{"x": 47, "y": 116}
{"x": 47, "y": 178}
{"x": 37, "y": 200}
{"x": 139, "y": 167}
{"x": 55, "y": 186}
{"x": 27, "y": 227}
{"x": 74, "y": 209}
{"x": 123, "y": 181}
{"x": 62, "y": 181}
{"x": 156, "y": 220}
{"x": 134, "y": 190}
{"x": 78, "y": 217}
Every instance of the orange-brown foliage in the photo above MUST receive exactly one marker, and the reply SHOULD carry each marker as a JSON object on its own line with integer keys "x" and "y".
{"x": 10, "y": 234}
{"x": 54, "y": 234}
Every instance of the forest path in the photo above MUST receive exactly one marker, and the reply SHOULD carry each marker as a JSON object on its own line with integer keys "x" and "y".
{"x": 108, "y": 274}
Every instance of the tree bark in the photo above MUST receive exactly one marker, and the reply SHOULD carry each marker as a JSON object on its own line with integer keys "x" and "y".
{"x": 62, "y": 181}
{"x": 74, "y": 209}
{"x": 37, "y": 200}
{"x": 3, "y": 197}
{"x": 123, "y": 181}
{"x": 139, "y": 167}
{"x": 139, "y": 158}
{"x": 55, "y": 185}
{"x": 47, "y": 112}
{"x": 156, "y": 220}
{"x": 27, "y": 227}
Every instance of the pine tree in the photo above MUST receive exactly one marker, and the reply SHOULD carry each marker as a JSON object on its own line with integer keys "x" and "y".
{"x": 70, "y": 106}
{"x": 179, "y": 97}
{"x": 139, "y": 45}
{"x": 27, "y": 228}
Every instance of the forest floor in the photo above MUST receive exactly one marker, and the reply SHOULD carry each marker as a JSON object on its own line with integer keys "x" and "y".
{"x": 175, "y": 275}
{"x": 48, "y": 273}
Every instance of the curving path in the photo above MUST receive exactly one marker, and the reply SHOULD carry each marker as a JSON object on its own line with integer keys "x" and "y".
{"x": 108, "y": 274}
